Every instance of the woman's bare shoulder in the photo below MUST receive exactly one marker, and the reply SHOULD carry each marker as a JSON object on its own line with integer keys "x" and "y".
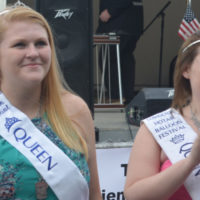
{"x": 74, "y": 104}
{"x": 79, "y": 112}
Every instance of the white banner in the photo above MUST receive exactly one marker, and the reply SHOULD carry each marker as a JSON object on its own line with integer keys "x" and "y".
{"x": 112, "y": 167}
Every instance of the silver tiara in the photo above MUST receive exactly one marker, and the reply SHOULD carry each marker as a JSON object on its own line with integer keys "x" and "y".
{"x": 191, "y": 44}
{"x": 17, "y": 4}
{"x": 4, "y": 11}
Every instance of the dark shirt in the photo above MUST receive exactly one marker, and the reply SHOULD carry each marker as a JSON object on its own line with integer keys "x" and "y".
{"x": 115, "y": 7}
{"x": 125, "y": 17}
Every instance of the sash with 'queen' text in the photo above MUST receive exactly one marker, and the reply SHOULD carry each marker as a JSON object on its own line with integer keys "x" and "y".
{"x": 57, "y": 169}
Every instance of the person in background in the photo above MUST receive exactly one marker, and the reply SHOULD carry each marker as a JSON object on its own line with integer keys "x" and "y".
{"x": 125, "y": 19}
{"x": 51, "y": 152}
{"x": 164, "y": 160}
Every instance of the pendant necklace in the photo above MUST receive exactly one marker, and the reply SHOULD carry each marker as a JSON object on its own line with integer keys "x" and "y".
{"x": 194, "y": 118}
{"x": 41, "y": 189}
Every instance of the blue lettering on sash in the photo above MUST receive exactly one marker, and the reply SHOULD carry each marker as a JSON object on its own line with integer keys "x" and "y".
{"x": 164, "y": 120}
{"x": 4, "y": 109}
{"x": 34, "y": 147}
{"x": 186, "y": 149}
{"x": 25, "y": 142}
{"x": 40, "y": 153}
{"x": 49, "y": 163}
{"x": 197, "y": 169}
{"x": 19, "y": 134}
{"x": 170, "y": 131}
{"x": 159, "y": 115}
{"x": 168, "y": 126}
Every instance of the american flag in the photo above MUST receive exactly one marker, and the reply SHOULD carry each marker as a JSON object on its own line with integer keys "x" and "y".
{"x": 189, "y": 24}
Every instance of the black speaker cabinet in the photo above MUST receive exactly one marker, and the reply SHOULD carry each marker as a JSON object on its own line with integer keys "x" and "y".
{"x": 147, "y": 102}
{"x": 71, "y": 21}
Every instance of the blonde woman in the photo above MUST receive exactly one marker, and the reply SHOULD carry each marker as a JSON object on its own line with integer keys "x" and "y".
{"x": 47, "y": 145}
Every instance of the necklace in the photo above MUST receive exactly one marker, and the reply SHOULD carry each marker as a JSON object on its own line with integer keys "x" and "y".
{"x": 41, "y": 189}
{"x": 194, "y": 118}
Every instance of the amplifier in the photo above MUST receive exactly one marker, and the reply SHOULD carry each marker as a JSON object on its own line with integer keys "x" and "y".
{"x": 147, "y": 102}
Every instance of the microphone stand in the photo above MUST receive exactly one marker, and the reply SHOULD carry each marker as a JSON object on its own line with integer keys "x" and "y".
{"x": 162, "y": 14}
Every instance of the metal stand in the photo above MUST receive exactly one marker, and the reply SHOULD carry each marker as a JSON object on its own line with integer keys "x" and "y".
{"x": 162, "y": 14}
{"x": 104, "y": 42}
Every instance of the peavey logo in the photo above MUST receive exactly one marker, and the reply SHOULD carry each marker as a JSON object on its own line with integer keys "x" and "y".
{"x": 65, "y": 13}
{"x": 171, "y": 93}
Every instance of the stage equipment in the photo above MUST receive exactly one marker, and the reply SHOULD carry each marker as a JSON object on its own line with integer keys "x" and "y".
{"x": 171, "y": 71}
{"x": 103, "y": 43}
{"x": 71, "y": 22}
{"x": 161, "y": 14}
{"x": 147, "y": 102}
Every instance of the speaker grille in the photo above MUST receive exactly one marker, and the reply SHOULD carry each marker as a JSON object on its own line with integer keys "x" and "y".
{"x": 71, "y": 22}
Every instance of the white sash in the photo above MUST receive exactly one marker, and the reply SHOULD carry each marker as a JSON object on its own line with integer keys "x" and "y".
{"x": 176, "y": 138}
{"x": 61, "y": 174}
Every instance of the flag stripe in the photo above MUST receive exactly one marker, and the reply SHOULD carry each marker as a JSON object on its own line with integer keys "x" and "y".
{"x": 195, "y": 28}
{"x": 189, "y": 24}
{"x": 197, "y": 23}
{"x": 188, "y": 27}
{"x": 182, "y": 35}
{"x": 184, "y": 32}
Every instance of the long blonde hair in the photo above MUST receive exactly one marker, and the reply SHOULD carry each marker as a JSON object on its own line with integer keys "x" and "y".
{"x": 53, "y": 84}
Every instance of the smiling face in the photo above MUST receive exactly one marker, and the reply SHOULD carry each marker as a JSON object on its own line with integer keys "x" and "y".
{"x": 25, "y": 54}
